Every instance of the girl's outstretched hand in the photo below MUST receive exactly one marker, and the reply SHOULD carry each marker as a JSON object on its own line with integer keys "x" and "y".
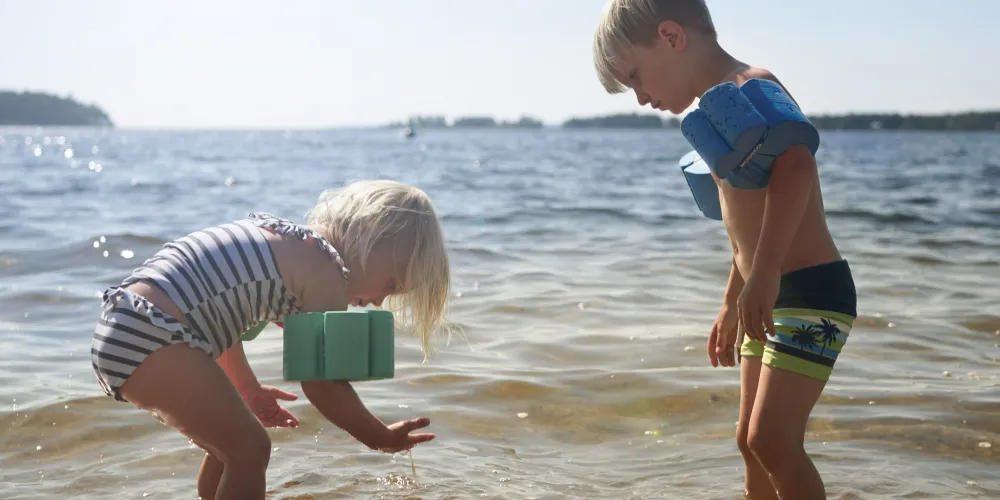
{"x": 398, "y": 437}
{"x": 263, "y": 402}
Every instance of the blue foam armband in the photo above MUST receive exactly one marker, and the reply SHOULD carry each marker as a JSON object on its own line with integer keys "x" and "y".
{"x": 739, "y": 131}
{"x": 339, "y": 345}
{"x": 703, "y": 187}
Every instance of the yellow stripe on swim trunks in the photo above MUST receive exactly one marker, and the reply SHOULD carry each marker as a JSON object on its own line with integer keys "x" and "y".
{"x": 808, "y": 341}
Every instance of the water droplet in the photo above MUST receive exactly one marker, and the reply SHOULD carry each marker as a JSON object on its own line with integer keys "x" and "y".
{"x": 94, "y": 150}
{"x": 946, "y": 373}
{"x": 37, "y": 151}
{"x": 871, "y": 403}
{"x": 38, "y": 448}
{"x": 103, "y": 239}
{"x": 68, "y": 153}
{"x": 404, "y": 406}
{"x": 127, "y": 254}
{"x": 522, "y": 415}
{"x": 229, "y": 181}
{"x": 61, "y": 140}
{"x": 105, "y": 253}
{"x": 985, "y": 445}
{"x": 689, "y": 348}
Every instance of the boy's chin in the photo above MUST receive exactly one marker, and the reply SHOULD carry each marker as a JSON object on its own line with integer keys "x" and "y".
{"x": 679, "y": 108}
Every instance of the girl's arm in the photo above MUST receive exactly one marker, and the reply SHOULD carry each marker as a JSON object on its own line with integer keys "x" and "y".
{"x": 337, "y": 401}
{"x": 340, "y": 404}
{"x": 234, "y": 363}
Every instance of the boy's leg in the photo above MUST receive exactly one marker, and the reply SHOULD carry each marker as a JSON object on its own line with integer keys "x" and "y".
{"x": 186, "y": 389}
{"x": 757, "y": 484}
{"x": 797, "y": 362}
{"x": 777, "y": 432}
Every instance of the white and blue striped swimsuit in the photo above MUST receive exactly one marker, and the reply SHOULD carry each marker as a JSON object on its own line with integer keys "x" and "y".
{"x": 223, "y": 278}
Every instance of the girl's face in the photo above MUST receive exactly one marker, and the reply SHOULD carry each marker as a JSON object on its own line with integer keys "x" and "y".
{"x": 382, "y": 275}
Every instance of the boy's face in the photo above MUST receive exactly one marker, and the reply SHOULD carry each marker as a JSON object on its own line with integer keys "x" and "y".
{"x": 659, "y": 73}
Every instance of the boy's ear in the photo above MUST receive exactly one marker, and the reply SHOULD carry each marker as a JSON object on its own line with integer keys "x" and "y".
{"x": 672, "y": 33}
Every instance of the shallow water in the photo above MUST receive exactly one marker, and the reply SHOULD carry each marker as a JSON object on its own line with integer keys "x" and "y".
{"x": 585, "y": 281}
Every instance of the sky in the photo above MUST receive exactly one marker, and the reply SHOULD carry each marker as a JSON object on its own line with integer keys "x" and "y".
{"x": 209, "y": 64}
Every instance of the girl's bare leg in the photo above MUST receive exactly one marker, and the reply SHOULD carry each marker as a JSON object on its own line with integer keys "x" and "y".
{"x": 191, "y": 393}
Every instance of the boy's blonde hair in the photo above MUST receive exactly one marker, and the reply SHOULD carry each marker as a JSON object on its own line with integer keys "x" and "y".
{"x": 363, "y": 213}
{"x": 627, "y": 23}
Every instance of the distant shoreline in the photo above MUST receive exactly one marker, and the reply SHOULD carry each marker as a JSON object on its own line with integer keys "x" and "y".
{"x": 966, "y": 122}
{"x": 40, "y": 109}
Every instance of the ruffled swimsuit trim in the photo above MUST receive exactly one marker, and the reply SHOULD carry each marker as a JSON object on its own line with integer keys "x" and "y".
{"x": 286, "y": 227}
{"x": 119, "y": 297}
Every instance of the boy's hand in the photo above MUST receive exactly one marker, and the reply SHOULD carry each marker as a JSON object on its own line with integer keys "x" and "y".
{"x": 756, "y": 304}
{"x": 263, "y": 402}
{"x": 398, "y": 437}
{"x": 721, "y": 341}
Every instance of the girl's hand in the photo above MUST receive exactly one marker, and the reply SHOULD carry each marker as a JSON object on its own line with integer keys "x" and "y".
{"x": 756, "y": 304}
{"x": 398, "y": 437}
{"x": 722, "y": 338}
{"x": 263, "y": 402}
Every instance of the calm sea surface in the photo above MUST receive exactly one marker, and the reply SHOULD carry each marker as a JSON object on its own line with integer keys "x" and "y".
{"x": 586, "y": 282}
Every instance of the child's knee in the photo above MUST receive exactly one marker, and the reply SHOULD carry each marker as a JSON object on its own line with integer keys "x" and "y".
{"x": 772, "y": 444}
{"x": 254, "y": 452}
{"x": 742, "y": 440}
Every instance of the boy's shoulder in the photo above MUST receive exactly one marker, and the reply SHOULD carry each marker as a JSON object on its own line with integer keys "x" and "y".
{"x": 740, "y": 76}
{"x": 744, "y": 73}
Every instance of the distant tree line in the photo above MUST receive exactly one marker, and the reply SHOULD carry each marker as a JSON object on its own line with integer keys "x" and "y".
{"x": 971, "y": 121}
{"x": 41, "y": 109}
{"x": 467, "y": 122}
{"x": 631, "y": 120}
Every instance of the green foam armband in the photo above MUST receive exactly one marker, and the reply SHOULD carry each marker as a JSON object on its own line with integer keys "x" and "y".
{"x": 339, "y": 345}
{"x": 253, "y": 331}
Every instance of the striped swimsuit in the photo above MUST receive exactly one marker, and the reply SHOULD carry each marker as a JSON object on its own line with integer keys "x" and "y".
{"x": 223, "y": 278}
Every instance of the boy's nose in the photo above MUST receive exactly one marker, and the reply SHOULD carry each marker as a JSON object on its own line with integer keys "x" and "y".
{"x": 642, "y": 97}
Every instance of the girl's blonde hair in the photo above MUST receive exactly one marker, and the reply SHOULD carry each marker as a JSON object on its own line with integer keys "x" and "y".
{"x": 361, "y": 214}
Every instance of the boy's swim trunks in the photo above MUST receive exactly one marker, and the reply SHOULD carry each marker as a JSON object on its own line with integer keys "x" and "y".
{"x": 813, "y": 315}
